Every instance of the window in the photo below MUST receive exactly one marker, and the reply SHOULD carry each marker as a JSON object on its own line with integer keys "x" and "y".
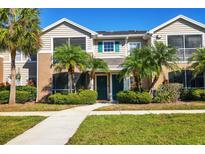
{"x": 186, "y": 78}
{"x": 186, "y": 44}
{"x": 108, "y": 46}
{"x": 133, "y": 45}
{"x": 78, "y": 41}
{"x": 18, "y": 56}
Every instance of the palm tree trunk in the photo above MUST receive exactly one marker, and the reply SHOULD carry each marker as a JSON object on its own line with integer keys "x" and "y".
{"x": 154, "y": 82}
{"x": 12, "y": 97}
{"x": 73, "y": 82}
{"x": 70, "y": 82}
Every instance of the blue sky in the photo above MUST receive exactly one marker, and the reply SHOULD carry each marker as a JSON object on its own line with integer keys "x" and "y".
{"x": 118, "y": 19}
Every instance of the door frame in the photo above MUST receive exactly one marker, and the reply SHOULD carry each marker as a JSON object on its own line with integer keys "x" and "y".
{"x": 102, "y": 74}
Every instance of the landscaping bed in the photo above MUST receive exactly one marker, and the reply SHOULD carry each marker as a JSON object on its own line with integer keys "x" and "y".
{"x": 34, "y": 107}
{"x": 155, "y": 106}
{"x": 141, "y": 129}
{"x": 11, "y": 127}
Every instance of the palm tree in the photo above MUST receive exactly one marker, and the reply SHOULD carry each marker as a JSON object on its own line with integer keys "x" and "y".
{"x": 134, "y": 64}
{"x": 19, "y": 31}
{"x": 69, "y": 58}
{"x": 161, "y": 55}
{"x": 96, "y": 65}
{"x": 198, "y": 61}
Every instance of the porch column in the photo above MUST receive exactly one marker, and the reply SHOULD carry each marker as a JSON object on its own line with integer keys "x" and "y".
{"x": 126, "y": 83}
{"x": 110, "y": 95}
{"x": 92, "y": 84}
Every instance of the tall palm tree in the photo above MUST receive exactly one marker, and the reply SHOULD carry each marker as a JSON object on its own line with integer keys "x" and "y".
{"x": 198, "y": 61}
{"x": 161, "y": 55}
{"x": 69, "y": 58}
{"x": 134, "y": 64}
{"x": 96, "y": 65}
{"x": 19, "y": 31}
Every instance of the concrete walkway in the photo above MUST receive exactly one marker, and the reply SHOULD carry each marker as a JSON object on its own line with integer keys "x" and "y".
{"x": 140, "y": 112}
{"x": 31, "y": 113}
{"x": 56, "y": 129}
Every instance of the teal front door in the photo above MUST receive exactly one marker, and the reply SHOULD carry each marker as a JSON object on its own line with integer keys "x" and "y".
{"x": 102, "y": 87}
{"x": 117, "y": 85}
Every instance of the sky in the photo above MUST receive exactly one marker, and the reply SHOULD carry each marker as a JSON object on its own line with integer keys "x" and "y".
{"x": 118, "y": 19}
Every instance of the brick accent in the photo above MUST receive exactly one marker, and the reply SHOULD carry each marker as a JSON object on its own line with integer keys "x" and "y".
{"x": 44, "y": 72}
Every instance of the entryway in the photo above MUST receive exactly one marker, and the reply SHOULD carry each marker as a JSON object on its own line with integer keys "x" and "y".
{"x": 117, "y": 85}
{"x": 101, "y": 87}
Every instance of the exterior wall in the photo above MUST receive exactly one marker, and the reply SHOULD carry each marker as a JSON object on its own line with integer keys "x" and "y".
{"x": 26, "y": 69}
{"x": 44, "y": 81}
{"x": 64, "y": 30}
{"x": 178, "y": 27}
{"x": 165, "y": 71}
{"x": 1, "y": 69}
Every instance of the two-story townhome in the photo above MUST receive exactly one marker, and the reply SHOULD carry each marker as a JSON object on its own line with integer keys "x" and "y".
{"x": 181, "y": 32}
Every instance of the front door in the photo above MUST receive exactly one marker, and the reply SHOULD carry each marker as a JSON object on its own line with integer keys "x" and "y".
{"x": 117, "y": 85}
{"x": 102, "y": 87}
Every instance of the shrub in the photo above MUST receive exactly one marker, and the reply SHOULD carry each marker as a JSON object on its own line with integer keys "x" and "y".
{"x": 198, "y": 94}
{"x": 134, "y": 97}
{"x": 21, "y": 96}
{"x": 32, "y": 90}
{"x": 127, "y": 97}
{"x": 83, "y": 97}
{"x": 168, "y": 93}
{"x": 88, "y": 96}
{"x": 186, "y": 94}
{"x": 144, "y": 98}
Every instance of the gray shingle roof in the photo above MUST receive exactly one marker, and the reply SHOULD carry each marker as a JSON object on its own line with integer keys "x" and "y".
{"x": 122, "y": 32}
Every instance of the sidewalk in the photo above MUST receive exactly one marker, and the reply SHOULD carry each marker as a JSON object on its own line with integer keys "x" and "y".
{"x": 56, "y": 129}
{"x": 140, "y": 112}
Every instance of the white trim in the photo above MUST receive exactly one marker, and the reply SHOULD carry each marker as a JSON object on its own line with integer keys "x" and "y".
{"x": 1, "y": 56}
{"x": 113, "y": 41}
{"x": 70, "y": 22}
{"x": 37, "y": 80}
{"x": 45, "y": 51}
{"x": 174, "y": 19}
{"x": 100, "y": 36}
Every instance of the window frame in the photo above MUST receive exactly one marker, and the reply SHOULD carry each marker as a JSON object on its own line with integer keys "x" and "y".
{"x": 52, "y": 41}
{"x": 138, "y": 42}
{"x": 184, "y": 49}
{"x": 113, "y": 41}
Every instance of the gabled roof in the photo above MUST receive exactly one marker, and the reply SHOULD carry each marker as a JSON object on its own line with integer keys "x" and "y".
{"x": 174, "y": 19}
{"x": 69, "y": 22}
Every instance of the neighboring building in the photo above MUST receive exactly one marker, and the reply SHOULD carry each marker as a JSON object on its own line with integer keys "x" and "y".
{"x": 180, "y": 32}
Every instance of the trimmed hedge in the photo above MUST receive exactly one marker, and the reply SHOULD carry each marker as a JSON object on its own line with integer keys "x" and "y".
{"x": 193, "y": 95}
{"x": 131, "y": 97}
{"x": 168, "y": 93}
{"x": 21, "y": 96}
{"x": 83, "y": 97}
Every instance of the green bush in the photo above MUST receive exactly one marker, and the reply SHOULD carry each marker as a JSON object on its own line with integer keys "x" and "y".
{"x": 186, "y": 94}
{"x": 131, "y": 97}
{"x": 21, "y": 96}
{"x": 198, "y": 94}
{"x": 83, "y": 97}
{"x": 31, "y": 89}
{"x": 168, "y": 93}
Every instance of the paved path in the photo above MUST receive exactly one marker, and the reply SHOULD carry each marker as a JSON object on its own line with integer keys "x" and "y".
{"x": 140, "y": 112}
{"x": 56, "y": 129}
{"x": 31, "y": 113}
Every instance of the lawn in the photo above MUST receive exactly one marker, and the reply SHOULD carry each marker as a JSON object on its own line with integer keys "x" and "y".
{"x": 141, "y": 129}
{"x": 170, "y": 106}
{"x": 10, "y": 127}
{"x": 34, "y": 107}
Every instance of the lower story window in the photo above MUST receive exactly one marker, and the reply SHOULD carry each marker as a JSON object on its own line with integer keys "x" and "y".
{"x": 186, "y": 78}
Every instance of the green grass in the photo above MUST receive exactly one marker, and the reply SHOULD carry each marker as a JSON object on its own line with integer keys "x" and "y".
{"x": 11, "y": 127}
{"x": 152, "y": 106}
{"x": 141, "y": 129}
{"x": 34, "y": 107}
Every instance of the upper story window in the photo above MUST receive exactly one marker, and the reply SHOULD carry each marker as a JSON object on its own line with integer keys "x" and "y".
{"x": 133, "y": 45}
{"x": 78, "y": 41}
{"x": 186, "y": 44}
{"x": 108, "y": 46}
{"x": 20, "y": 57}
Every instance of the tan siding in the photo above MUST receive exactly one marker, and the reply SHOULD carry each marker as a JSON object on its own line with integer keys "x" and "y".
{"x": 6, "y": 55}
{"x": 26, "y": 70}
{"x": 178, "y": 27}
{"x": 64, "y": 30}
{"x": 44, "y": 75}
